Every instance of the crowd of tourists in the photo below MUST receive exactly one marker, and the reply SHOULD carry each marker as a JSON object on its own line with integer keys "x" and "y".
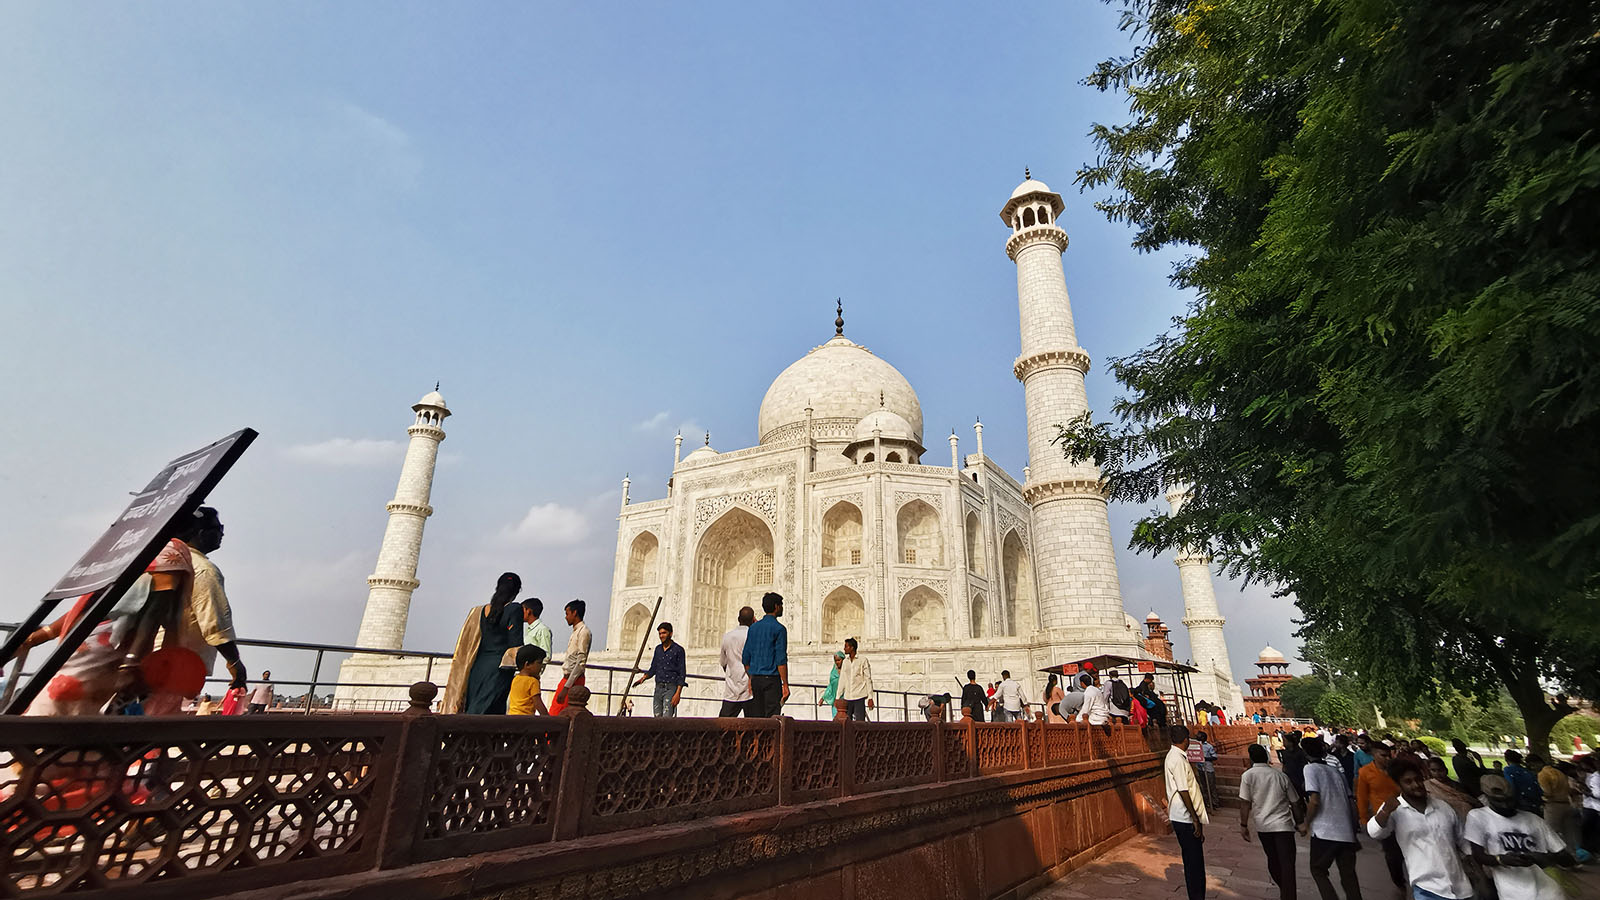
{"x": 1502, "y": 830}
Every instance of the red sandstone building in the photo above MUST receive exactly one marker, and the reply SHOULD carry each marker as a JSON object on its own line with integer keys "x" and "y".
{"x": 1263, "y": 697}
{"x": 1159, "y": 643}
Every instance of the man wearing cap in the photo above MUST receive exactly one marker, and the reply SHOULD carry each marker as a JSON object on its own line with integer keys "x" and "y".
{"x": 1514, "y": 844}
{"x": 1429, "y": 835}
{"x": 1072, "y": 701}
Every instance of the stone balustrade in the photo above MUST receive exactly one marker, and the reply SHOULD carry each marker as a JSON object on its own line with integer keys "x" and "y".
{"x": 387, "y": 805}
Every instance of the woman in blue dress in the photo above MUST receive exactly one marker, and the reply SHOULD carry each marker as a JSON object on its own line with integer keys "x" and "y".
{"x": 477, "y": 684}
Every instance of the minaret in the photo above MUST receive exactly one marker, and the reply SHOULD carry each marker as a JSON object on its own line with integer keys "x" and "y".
{"x": 383, "y": 624}
{"x": 1208, "y": 649}
{"x": 1079, "y": 591}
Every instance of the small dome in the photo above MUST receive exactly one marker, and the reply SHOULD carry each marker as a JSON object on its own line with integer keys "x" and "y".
{"x": 1029, "y": 192}
{"x": 700, "y": 453}
{"x": 890, "y": 426}
{"x": 1152, "y": 617}
{"x": 1269, "y": 655}
{"x": 432, "y": 400}
{"x": 840, "y": 380}
{"x": 1032, "y": 185}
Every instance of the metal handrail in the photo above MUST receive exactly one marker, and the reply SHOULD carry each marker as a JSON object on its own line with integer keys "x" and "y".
{"x": 904, "y": 701}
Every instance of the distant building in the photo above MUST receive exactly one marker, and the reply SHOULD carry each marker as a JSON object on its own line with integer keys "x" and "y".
{"x": 1264, "y": 687}
{"x": 1158, "y": 644}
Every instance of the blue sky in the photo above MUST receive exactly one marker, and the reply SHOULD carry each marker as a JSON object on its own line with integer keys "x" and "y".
{"x": 594, "y": 224}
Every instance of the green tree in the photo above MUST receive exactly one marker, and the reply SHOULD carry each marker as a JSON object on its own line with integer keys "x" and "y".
{"x": 1302, "y": 694}
{"x": 1336, "y": 709}
{"x": 1386, "y": 390}
{"x": 1585, "y": 727}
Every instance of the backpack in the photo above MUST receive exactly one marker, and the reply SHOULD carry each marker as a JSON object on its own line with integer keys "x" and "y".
{"x": 1119, "y": 695}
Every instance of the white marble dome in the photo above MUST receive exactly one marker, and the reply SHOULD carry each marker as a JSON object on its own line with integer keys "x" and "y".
{"x": 1030, "y": 186}
{"x": 432, "y": 398}
{"x": 700, "y": 453}
{"x": 888, "y": 426}
{"x": 838, "y": 380}
{"x": 1029, "y": 192}
{"x": 1269, "y": 655}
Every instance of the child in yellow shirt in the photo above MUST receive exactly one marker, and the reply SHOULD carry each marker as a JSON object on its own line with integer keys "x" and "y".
{"x": 524, "y": 699}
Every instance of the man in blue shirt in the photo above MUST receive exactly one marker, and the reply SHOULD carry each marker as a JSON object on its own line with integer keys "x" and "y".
{"x": 668, "y": 667}
{"x": 766, "y": 658}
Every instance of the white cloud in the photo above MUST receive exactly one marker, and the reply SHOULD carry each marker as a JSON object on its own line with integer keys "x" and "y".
{"x": 382, "y": 142}
{"x": 347, "y": 452}
{"x": 548, "y": 525}
{"x": 654, "y": 422}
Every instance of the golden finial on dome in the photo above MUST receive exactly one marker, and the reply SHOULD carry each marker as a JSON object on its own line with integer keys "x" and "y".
{"x": 838, "y": 323}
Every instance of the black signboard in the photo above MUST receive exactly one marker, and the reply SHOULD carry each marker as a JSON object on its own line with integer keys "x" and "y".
{"x": 122, "y": 552}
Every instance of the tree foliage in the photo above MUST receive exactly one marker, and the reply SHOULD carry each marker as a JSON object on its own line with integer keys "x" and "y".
{"x": 1386, "y": 390}
{"x": 1584, "y": 727}
{"x": 1335, "y": 708}
{"x": 1302, "y": 694}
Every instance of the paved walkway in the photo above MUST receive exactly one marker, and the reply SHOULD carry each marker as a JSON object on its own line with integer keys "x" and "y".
{"x": 1150, "y": 868}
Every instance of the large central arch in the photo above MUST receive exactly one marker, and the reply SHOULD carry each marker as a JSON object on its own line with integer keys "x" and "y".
{"x": 732, "y": 568}
{"x": 1019, "y": 586}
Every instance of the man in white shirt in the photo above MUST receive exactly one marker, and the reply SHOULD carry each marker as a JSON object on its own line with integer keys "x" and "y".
{"x": 1429, "y": 834}
{"x": 1186, "y": 811}
{"x": 1010, "y": 701}
{"x": 855, "y": 683}
{"x": 735, "y": 680}
{"x": 577, "y": 658}
{"x": 1514, "y": 845}
{"x": 261, "y": 697}
{"x": 1267, "y": 799}
{"x": 1096, "y": 708}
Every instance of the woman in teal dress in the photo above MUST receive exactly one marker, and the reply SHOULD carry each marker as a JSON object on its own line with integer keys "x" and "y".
{"x": 478, "y": 685}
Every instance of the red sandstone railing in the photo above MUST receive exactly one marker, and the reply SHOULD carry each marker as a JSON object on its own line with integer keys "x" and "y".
{"x": 168, "y": 807}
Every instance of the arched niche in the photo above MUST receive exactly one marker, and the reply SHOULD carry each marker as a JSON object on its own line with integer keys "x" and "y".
{"x": 635, "y": 623}
{"x": 1019, "y": 586}
{"x": 974, "y": 544}
{"x": 732, "y": 568}
{"x": 980, "y": 616}
{"x": 644, "y": 557}
{"x": 843, "y": 616}
{"x": 921, "y": 542}
{"x": 841, "y": 536}
{"x": 923, "y": 616}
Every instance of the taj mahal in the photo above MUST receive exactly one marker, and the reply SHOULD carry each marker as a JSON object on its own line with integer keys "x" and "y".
{"x": 936, "y": 564}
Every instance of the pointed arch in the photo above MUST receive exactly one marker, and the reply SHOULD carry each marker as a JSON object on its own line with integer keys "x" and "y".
{"x": 843, "y": 615}
{"x": 841, "y": 535}
{"x": 923, "y": 616}
{"x": 1019, "y": 600}
{"x": 921, "y": 540}
{"x": 635, "y": 622}
{"x": 733, "y": 567}
{"x": 974, "y": 544}
{"x": 979, "y": 622}
{"x": 644, "y": 559}
{"x": 1027, "y": 217}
